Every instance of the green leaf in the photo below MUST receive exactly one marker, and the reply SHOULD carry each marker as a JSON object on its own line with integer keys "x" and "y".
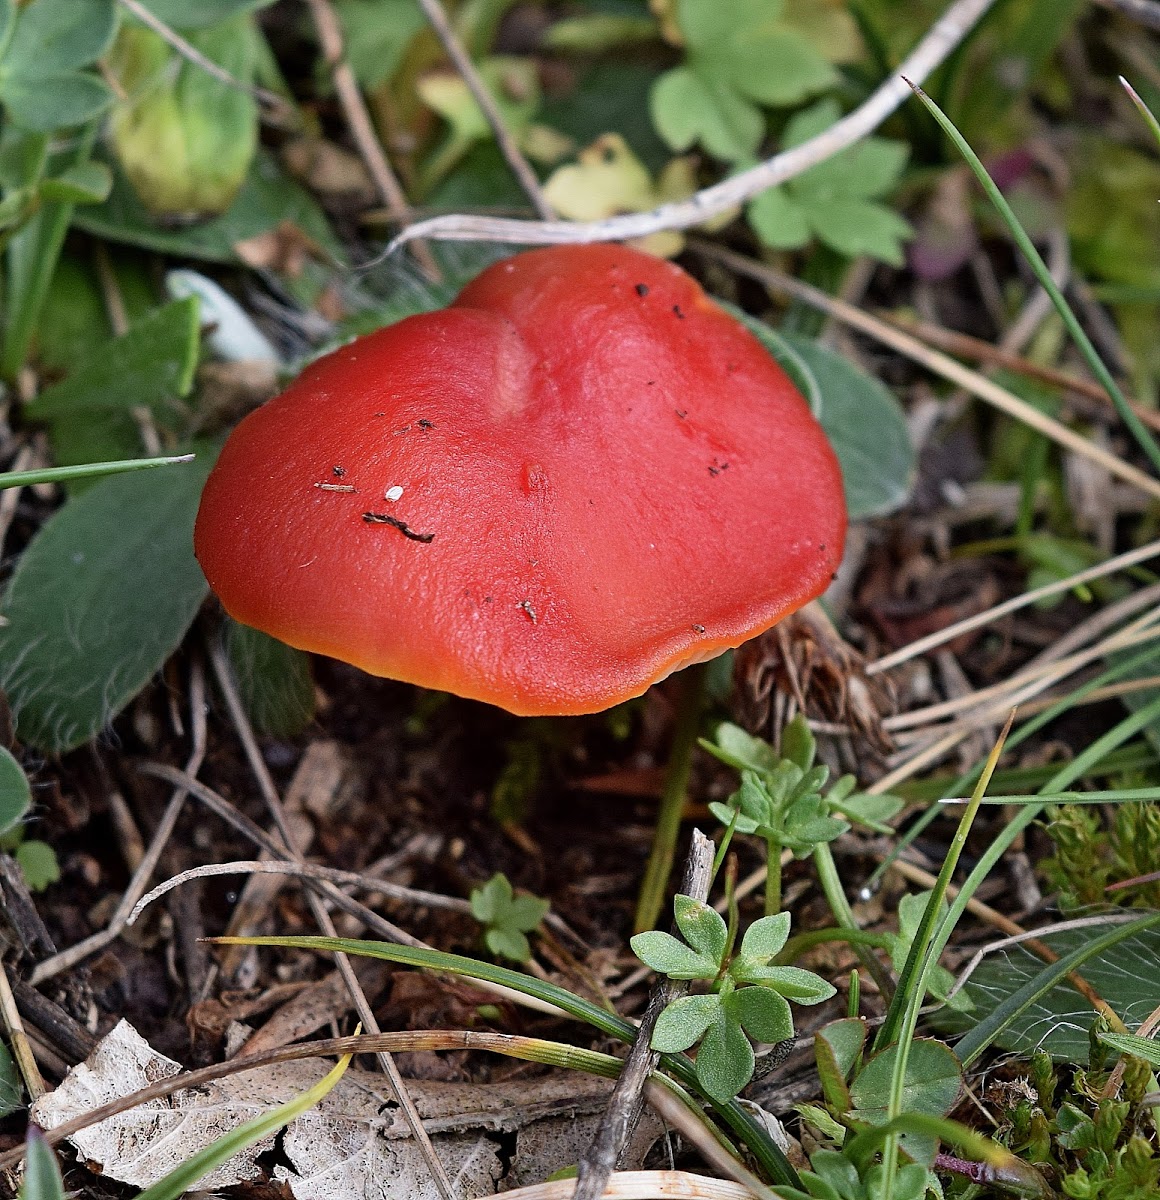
{"x": 15, "y": 793}
{"x": 98, "y": 601}
{"x": 505, "y": 942}
{"x": 1059, "y": 1019}
{"x": 854, "y": 227}
{"x": 526, "y": 912}
{"x": 273, "y": 679}
{"x": 267, "y": 197}
{"x": 683, "y": 1023}
{"x": 779, "y": 69}
{"x": 180, "y": 1180}
{"x": 197, "y": 14}
{"x": 762, "y": 1013}
{"x": 84, "y": 183}
{"x": 838, "y": 1174}
{"x": 377, "y": 34}
{"x": 866, "y": 427}
{"x": 798, "y": 744}
{"x": 702, "y": 927}
{"x": 725, "y": 1060}
{"x": 688, "y": 108}
{"x": 11, "y": 1089}
{"x": 38, "y": 863}
{"x": 802, "y": 987}
{"x": 42, "y": 1179}
{"x": 489, "y": 901}
{"x": 868, "y": 808}
{"x": 766, "y": 937}
{"x": 89, "y": 413}
{"x": 1147, "y": 1049}
{"x": 668, "y": 956}
{"x": 49, "y": 102}
{"x": 932, "y": 1083}
{"x": 59, "y": 35}
{"x": 837, "y": 1047}
{"x": 741, "y": 750}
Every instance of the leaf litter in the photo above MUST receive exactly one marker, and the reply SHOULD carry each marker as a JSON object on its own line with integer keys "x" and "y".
{"x": 356, "y": 1142}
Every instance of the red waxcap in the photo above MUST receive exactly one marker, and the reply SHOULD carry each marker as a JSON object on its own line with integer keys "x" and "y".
{"x": 579, "y": 477}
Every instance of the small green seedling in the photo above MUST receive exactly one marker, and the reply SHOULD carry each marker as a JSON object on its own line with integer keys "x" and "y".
{"x": 781, "y": 797}
{"x": 724, "y": 1019}
{"x": 507, "y": 918}
{"x": 37, "y": 859}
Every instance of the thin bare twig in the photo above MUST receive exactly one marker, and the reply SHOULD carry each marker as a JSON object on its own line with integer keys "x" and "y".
{"x": 18, "y": 1039}
{"x": 318, "y": 909}
{"x": 277, "y": 105}
{"x": 946, "y": 33}
{"x": 267, "y": 866}
{"x": 599, "y": 1160}
{"x": 67, "y": 959}
{"x": 455, "y": 50}
{"x": 358, "y": 119}
{"x": 1121, "y": 562}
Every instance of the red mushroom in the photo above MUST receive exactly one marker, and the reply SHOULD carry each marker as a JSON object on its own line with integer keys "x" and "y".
{"x": 578, "y": 478}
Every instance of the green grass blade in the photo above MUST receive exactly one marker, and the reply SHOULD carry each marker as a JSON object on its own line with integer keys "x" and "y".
{"x": 42, "y": 1179}
{"x": 972, "y": 1044}
{"x": 1148, "y": 115}
{"x": 1139, "y": 431}
{"x": 11, "y": 479}
{"x": 179, "y": 1181}
{"x": 1112, "y": 796}
{"x": 902, "y": 1016}
{"x": 1026, "y": 730}
{"x": 1138, "y": 1047}
{"x": 744, "y": 1125}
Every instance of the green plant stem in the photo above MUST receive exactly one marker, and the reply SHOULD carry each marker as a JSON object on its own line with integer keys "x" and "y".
{"x": 803, "y": 943}
{"x": 902, "y": 1016}
{"x": 32, "y": 255}
{"x": 11, "y": 479}
{"x": 664, "y": 847}
{"x": 1139, "y": 430}
{"x": 772, "y": 878}
{"x": 835, "y": 895}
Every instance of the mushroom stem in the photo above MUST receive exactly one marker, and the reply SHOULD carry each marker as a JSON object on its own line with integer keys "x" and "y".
{"x": 664, "y": 847}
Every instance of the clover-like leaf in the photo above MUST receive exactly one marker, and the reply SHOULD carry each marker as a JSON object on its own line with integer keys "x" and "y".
{"x": 508, "y": 917}
{"x": 667, "y": 955}
{"x": 794, "y": 983}
{"x": 837, "y": 200}
{"x": 766, "y": 937}
{"x": 725, "y": 1060}
{"x": 702, "y": 927}
{"x": 866, "y": 808}
{"x": 838, "y": 1174}
{"x": 761, "y": 1012}
{"x": 683, "y": 1023}
{"x": 741, "y": 750}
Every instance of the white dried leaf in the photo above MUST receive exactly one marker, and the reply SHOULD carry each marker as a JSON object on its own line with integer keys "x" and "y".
{"x": 355, "y": 1143}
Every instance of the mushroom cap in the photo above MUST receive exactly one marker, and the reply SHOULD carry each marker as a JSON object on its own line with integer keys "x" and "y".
{"x": 579, "y": 477}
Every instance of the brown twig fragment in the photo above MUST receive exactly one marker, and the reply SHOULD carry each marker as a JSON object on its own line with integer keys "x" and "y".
{"x": 455, "y": 50}
{"x": 358, "y": 119}
{"x": 599, "y": 1160}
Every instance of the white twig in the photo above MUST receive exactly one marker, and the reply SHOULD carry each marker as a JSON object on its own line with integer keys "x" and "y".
{"x": 306, "y": 870}
{"x": 1032, "y": 935}
{"x": 946, "y": 33}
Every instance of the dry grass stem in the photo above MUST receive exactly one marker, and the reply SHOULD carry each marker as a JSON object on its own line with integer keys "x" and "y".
{"x": 67, "y": 959}
{"x": 303, "y": 870}
{"x": 943, "y": 36}
{"x": 938, "y": 363}
{"x": 437, "y": 18}
{"x": 275, "y": 104}
{"x": 322, "y": 917}
{"x": 18, "y": 1040}
{"x": 362, "y": 130}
